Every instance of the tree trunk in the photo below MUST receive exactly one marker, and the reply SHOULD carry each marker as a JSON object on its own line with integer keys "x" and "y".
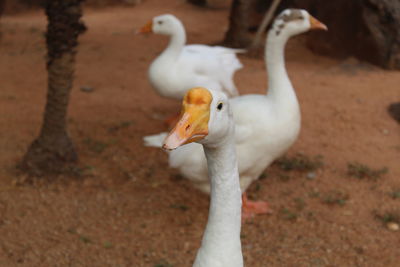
{"x": 53, "y": 151}
{"x": 237, "y": 34}
{"x": 394, "y": 111}
{"x": 198, "y": 2}
{"x": 366, "y": 29}
{"x": 2, "y": 5}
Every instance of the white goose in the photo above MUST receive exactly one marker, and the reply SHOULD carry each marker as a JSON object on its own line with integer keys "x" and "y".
{"x": 180, "y": 66}
{"x": 206, "y": 118}
{"x": 266, "y": 125}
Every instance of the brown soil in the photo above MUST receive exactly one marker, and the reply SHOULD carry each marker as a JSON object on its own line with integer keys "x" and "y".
{"x": 130, "y": 209}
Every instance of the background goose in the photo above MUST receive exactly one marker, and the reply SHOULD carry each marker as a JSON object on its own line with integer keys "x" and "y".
{"x": 266, "y": 125}
{"x": 207, "y": 119}
{"x": 180, "y": 67}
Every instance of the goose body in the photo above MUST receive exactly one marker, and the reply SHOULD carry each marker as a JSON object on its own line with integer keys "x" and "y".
{"x": 266, "y": 125}
{"x": 180, "y": 66}
{"x": 207, "y": 118}
{"x": 253, "y": 139}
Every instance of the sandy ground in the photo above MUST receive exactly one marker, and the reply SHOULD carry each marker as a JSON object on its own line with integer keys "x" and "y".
{"x": 130, "y": 209}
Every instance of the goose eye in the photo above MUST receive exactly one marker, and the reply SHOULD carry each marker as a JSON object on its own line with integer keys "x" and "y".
{"x": 220, "y": 105}
{"x": 160, "y": 22}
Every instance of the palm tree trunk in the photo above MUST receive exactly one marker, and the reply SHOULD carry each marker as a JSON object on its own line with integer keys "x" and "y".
{"x": 53, "y": 150}
{"x": 237, "y": 34}
{"x": 198, "y": 2}
{"x": 2, "y": 5}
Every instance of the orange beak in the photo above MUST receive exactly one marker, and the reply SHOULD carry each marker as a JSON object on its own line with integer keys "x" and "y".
{"x": 317, "y": 25}
{"x": 193, "y": 123}
{"x": 146, "y": 28}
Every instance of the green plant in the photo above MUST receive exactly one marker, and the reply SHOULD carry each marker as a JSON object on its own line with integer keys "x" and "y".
{"x": 362, "y": 171}
{"x": 85, "y": 239}
{"x": 335, "y": 197}
{"x": 300, "y": 162}
{"x": 181, "y": 207}
{"x": 283, "y": 177}
{"x": 395, "y": 194}
{"x": 107, "y": 244}
{"x": 388, "y": 216}
{"x": 263, "y": 176}
{"x": 71, "y": 230}
{"x": 300, "y": 203}
{"x": 95, "y": 145}
{"x": 163, "y": 263}
{"x": 288, "y": 214}
{"x": 83, "y": 171}
{"x": 119, "y": 126}
{"x": 313, "y": 194}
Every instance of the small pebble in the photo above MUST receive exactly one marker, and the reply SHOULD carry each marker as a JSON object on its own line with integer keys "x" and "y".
{"x": 348, "y": 213}
{"x": 311, "y": 175}
{"x": 392, "y": 226}
{"x": 87, "y": 89}
{"x": 385, "y": 131}
{"x": 157, "y": 116}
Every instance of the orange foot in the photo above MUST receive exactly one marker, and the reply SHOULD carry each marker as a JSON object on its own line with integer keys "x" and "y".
{"x": 252, "y": 208}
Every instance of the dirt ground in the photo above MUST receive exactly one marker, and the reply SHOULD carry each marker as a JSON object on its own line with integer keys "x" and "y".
{"x": 129, "y": 209}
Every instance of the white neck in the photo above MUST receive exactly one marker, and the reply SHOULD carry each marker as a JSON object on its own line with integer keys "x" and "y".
{"x": 176, "y": 43}
{"x": 221, "y": 241}
{"x": 279, "y": 86}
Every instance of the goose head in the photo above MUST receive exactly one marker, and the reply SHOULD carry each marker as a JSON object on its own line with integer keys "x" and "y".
{"x": 291, "y": 22}
{"x": 165, "y": 24}
{"x": 206, "y": 118}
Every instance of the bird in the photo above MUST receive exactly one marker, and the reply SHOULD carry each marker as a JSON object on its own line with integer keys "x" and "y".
{"x": 207, "y": 119}
{"x": 267, "y": 125}
{"x": 180, "y": 66}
